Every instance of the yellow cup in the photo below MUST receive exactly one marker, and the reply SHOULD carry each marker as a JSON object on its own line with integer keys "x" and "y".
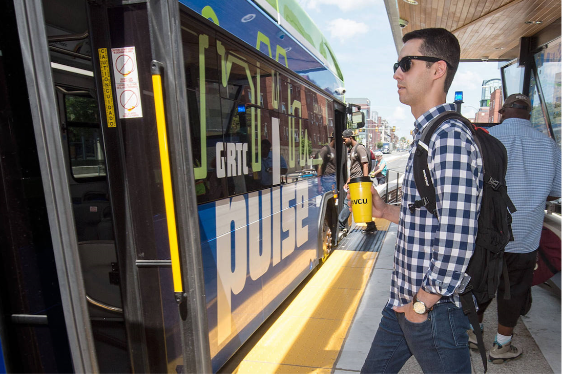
{"x": 361, "y": 199}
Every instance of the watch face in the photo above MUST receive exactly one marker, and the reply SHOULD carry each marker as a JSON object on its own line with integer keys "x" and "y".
{"x": 419, "y": 307}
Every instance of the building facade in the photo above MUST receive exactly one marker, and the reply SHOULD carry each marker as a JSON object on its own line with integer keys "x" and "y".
{"x": 496, "y": 102}
{"x": 489, "y": 86}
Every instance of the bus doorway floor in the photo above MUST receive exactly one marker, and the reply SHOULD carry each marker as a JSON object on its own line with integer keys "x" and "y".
{"x": 357, "y": 240}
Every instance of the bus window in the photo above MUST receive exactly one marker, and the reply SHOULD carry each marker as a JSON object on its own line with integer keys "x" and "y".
{"x": 236, "y": 150}
{"x": 85, "y": 145}
{"x": 547, "y": 62}
{"x": 81, "y": 109}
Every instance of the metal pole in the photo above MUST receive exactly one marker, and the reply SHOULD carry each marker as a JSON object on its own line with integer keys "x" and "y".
{"x": 387, "y": 183}
{"x": 397, "y": 184}
{"x": 167, "y": 48}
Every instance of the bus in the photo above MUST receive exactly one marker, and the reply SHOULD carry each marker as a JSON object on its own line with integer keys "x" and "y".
{"x": 159, "y": 185}
{"x": 387, "y": 148}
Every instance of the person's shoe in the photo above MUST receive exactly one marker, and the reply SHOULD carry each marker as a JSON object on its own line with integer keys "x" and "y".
{"x": 370, "y": 228}
{"x": 342, "y": 233}
{"x": 502, "y": 353}
{"x": 472, "y": 341}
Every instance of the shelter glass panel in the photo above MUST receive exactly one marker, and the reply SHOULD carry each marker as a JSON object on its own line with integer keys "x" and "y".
{"x": 537, "y": 114}
{"x": 549, "y": 76}
{"x": 513, "y": 79}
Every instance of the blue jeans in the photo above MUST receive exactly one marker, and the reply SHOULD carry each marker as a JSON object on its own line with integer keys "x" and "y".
{"x": 344, "y": 214}
{"x": 328, "y": 183}
{"x": 440, "y": 344}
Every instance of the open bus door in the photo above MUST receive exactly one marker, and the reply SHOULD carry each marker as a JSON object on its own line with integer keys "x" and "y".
{"x": 105, "y": 290}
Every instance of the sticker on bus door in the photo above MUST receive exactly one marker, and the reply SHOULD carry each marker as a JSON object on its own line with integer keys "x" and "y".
{"x": 126, "y": 82}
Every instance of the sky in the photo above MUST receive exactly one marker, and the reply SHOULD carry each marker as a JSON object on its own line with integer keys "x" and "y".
{"x": 359, "y": 33}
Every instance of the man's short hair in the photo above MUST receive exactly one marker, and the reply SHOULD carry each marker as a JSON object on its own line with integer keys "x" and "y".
{"x": 265, "y": 143}
{"x": 440, "y": 43}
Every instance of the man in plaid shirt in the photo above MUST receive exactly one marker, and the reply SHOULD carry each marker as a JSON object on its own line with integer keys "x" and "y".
{"x": 423, "y": 316}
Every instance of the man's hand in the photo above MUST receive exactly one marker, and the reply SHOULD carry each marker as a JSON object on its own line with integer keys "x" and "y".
{"x": 409, "y": 313}
{"x": 379, "y": 206}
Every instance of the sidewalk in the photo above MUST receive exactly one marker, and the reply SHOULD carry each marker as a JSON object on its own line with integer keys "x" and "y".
{"x": 538, "y": 333}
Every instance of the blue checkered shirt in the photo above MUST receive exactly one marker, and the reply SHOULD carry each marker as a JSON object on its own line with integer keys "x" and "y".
{"x": 434, "y": 253}
{"x": 533, "y": 173}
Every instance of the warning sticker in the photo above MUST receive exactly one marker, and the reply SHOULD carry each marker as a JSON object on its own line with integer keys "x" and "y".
{"x": 107, "y": 90}
{"x": 127, "y": 82}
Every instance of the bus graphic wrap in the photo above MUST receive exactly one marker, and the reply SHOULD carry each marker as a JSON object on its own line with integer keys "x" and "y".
{"x": 257, "y": 248}
{"x": 262, "y": 32}
{"x": 256, "y": 130}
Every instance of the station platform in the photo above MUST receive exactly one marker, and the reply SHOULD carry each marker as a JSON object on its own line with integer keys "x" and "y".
{"x": 328, "y": 323}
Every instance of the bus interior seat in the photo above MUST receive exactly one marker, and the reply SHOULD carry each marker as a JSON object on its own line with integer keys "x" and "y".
{"x": 93, "y": 217}
{"x": 105, "y": 226}
{"x": 99, "y": 262}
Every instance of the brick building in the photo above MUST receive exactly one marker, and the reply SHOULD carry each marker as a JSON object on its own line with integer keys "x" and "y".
{"x": 496, "y": 102}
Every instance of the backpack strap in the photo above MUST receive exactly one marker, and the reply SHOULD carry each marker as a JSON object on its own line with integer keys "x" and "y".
{"x": 469, "y": 310}
{"x": 422, "y": 175}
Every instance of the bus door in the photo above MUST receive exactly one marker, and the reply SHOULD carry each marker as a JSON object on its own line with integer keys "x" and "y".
{"x": 88, "y": 69}
{"x": 84, "y": 151}
{"x": 140, "y": 90}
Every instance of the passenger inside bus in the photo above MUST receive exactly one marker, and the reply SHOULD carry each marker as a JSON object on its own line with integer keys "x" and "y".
{"x": 266, "y": 174}
{"x": 327, "y": 170}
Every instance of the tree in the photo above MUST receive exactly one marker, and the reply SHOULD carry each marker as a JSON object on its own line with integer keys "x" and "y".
{"x": 379, "y": 145}
{"x": 308, "y": 145}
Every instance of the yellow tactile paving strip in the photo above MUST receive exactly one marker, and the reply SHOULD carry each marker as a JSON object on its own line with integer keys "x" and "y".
{"x": 309, "y": 335}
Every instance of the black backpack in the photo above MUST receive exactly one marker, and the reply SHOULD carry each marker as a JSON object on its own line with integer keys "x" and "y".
{"x": 494, "y": 222}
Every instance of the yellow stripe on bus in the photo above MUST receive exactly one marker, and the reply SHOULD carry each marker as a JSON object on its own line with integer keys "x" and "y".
{"x": 167, "y": 181}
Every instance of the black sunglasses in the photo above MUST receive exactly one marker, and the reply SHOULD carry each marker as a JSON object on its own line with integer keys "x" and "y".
{"x": 406, "y": 63}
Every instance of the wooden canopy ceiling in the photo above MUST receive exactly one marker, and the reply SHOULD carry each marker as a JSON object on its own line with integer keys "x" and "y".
{"x": 486, "y": 29}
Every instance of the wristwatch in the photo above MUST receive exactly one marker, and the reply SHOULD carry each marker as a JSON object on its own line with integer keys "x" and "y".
{"x": 420, "y": 307}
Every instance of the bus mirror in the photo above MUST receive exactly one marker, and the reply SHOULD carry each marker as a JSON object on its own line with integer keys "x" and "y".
{"x": 358, "y": 119}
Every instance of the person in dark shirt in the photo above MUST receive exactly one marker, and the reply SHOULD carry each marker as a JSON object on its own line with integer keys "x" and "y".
{"x": 327, "y": 171}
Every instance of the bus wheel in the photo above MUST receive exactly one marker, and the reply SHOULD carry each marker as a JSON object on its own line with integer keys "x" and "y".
{"x": 326, "y": 240}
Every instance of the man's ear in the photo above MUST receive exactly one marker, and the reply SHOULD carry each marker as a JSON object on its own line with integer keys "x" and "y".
{"x": 440, "y": 69}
